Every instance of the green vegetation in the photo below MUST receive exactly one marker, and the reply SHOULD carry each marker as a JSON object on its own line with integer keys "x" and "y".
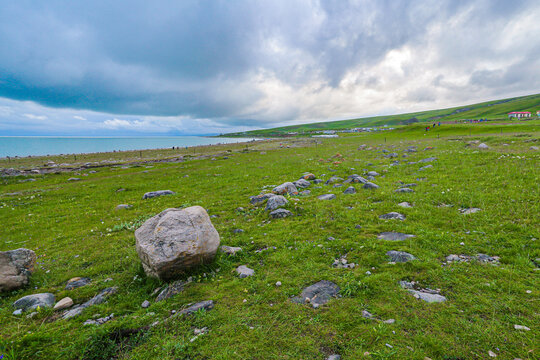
{"x": 491, "y": 110}
{"x": 75, "y": 230}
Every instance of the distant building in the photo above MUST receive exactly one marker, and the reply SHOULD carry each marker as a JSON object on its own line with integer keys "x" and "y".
{"x": 519, "y": 114}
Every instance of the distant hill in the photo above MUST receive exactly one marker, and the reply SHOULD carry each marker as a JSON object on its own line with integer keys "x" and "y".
{"x": 496, "y": 109}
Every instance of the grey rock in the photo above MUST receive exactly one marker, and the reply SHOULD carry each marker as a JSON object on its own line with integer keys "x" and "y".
{"x": 123, "y": 207}
{"x": 326, "y": 197}
{"x": 372, "y": 173}
{"x": 171, "y": 290}
{"x": 350, "y": 190}
{"x": 334, "y": 357}
{"x": 338, "y": 185}
{"x": 17, "y": 312}
{"x": 405, "y": 204}
{"x": 243, "y": 271}
{"x": 73, "y": 179}
{"x": 392, "y": 216}
{"x": 521, "y": 327}
{"x": 389, "y": 321}
{"x": 16, "y": 266}
{"x": 285, "y": 188}
{"x": 404, "y": 190}
{"x": 153, "y": 194}
{"x": 333, "y": 180}
{"x": 259, "y": 199}
{"x": 318, "y": 181}
{"x": 230, "y": 250}
{"x": 280, "y": 213}
{"x": 400, "y": 256}
{"x": 275, "y": 202}
{"x": 96, "y": 300}
{"x": 145, "y": 304}
{"x": 302, "y": 183}
{"x": 31, "y": 302}
{"x": 99, "y": 321}
{"x": 468, "y": 211}
{"x": 308, "y": 176}
{"x": 427, "y": 297}
{"x": 425, "y": 167}
{"x": 394, "y": 236}
{"x": 430, "y": 159}
{"x": 370, "y": 185}
{"x": 176, "y": 240}
{"x": 317, "y": 294}
{"x": 366, "y": 314}
{"x": 206, "y": 305}
{"x": 483, "y": 146}
{"x": 238, "y": 231}
{"x": 305, "y": 193}
{"x": 77, "y": 282}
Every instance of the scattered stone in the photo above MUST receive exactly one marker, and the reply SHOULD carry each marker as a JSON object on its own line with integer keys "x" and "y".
{"x": 317, "y": 294}
{"x": 392, "y": 216}
{"x": 74, "y": 179}
{"x": 405, "y": 204}
{"x": 534, "y": 148}
{"x": 285, "y": 188}
{"x": 342, "y": 264}
{"x": 366, "y": 314}
{"x": 483, "y": 146}
{"x": 389, "y": 321}
{"x": 305, "y": 193}
{"x": 206, "y": 305}
{"x": 357, "y": 226}
{"x": 99, "y": 321}
{"x": 17, "y": 312}
{"x": 176, "y": 240}
{"x": 333, "y": 179}
{"x": 318, "y": 181}
{"x": 243, "y": 271}
{"x": 372, "y": 173}
{"x": 308, "y": 176}
{"x": 302, "y": 183}
{"x": 170, "y": 290}
{"x": 338, "y": 185}
{"x": 16, "y": 266}
{"x": 479, "y": 257}
{"x": 31, "y": 302}
{"x": 350, "y": 190}
{"x": 64, "y": 304}
{"x": 326, "y": 197}
{"x": 468, "y": 211}
{"x": 400, "y": 256}
{"x": 255, "y": 200}
{"x": 123, "y": 207}
{"x": 334, "y": 357}
{"x": 77, "y": 282}
{"x": 145, "y": 304}
{"x": 153, "y": 194}
{"x": 96, "y": 300}
{"x": 428, "y": 295}
{"x": 492, "y": 354}
{"x": 430, "y": 159}
{"x": 370, "y": 185}
{"x": 404, "y": 190}
{"x": 238, "y": 231}
{"x": 230, "y": 250}
{"x": 275, "y": 202}
{"x": 521, "y": 327}
{"x": 355, "y": 179}
{"x": 31, "y": 315}
{"x": 280, "y": 213}
{"x": 394, "y": 236}
{"x": 425, "y": 167}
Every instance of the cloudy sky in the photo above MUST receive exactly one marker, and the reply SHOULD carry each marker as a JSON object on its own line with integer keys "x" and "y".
{"x": 201, "y": 67}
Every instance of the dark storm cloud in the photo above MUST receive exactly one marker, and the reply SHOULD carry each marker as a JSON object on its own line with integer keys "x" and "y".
{"x": 260, "y": 62}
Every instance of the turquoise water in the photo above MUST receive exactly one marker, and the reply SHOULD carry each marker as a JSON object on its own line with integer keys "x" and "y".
{"x": 37, "y": 145}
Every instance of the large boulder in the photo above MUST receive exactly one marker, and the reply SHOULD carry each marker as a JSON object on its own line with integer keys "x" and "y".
{"x": 275, "y": 202}
{"x": 31, "y": 302}
{"x": 176, "y": 240}
{"x": 16, "y": 266}
{"x": 285, "y": 188}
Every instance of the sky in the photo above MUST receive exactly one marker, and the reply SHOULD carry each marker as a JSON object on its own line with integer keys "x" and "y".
{"x": 207, "y": 67}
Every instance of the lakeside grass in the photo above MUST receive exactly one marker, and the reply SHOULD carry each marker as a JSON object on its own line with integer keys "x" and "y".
{"x": 75, "y": 231}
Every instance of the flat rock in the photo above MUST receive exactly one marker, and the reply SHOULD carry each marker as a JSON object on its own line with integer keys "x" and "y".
{"x": 305, "y": 193}
{"x": 275, "y": 202}
{"x": 372, "y": 173}
{"x": 16, "y": 266}
{"x": 31, "y": 302}
{"x": 425, "y": 167}
{"x": 259, "y": 199}
{"x": 479, "y": 257}
{"x": 468, "y": 211}
{"x": 206, "y": 305}
{"x": 285, "y": 188}
{"x": 96, "y": 300}
{"x": 521, "y": 327}
{"x": 243, "y": 271}
{"x": 404, "y": 190}
{"x": 74, "y": 179}
{"x": 394, "y": 236}
{"x": 280, "y": 213}
{"x": 392, "y": 216}
{"x": 326, "y": 197}
{"x": 333, "y": 180}
{"x": 153, "y": 194}
{"x": 427, "y": 297}
{"x": 317, "y": 294}
{"x": 429, "y": 159}
{"x": 400, "y": 256}
{"x": 350, "y": 190}
{"x": 176, "y": 240}
{"x": 99, "y": 321}
{"x": 63, "y": 304}
{"x": 308, "y": 176}
{"x": 483, "y": 146}
{"x": 145, "y": 304}
{"x": 405, "y": 204}
{"x": 230, "y": 250}
{"x": 77, "y": 282}
{"x": 123, "y": 207}
{"x": 370, "y": 185}
{"x": 302, "y": 183}
{"x": 171, "y": 290}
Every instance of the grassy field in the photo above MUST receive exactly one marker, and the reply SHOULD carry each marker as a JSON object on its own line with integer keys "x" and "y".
{"x": 491, "y": 110}
{"x": 75, "y": 230}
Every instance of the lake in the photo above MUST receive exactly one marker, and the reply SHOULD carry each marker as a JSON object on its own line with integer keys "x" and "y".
{"x": 44, "y": 145}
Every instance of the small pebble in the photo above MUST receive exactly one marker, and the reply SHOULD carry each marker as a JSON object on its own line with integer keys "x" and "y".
{"x": 278, "y": 283}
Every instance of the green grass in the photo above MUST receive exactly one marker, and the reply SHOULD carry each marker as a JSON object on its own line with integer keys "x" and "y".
{"x": 491, "y": 110}
{"x": 75, "y": 230}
